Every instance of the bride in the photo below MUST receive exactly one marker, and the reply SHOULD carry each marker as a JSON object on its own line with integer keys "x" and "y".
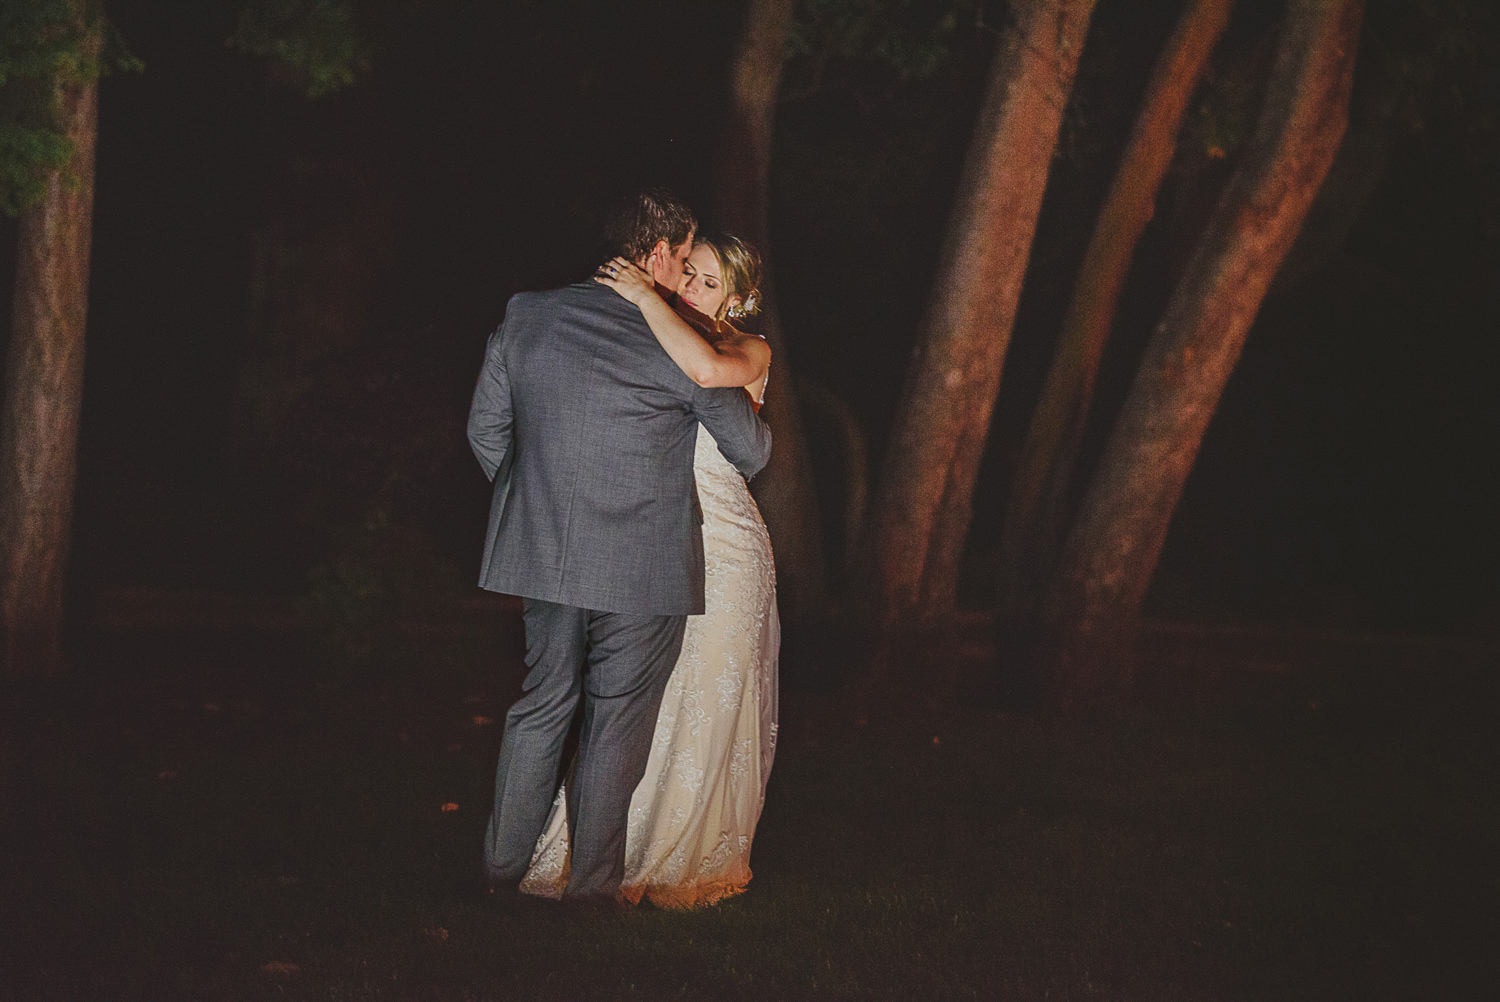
{"x": 693, "y": 816}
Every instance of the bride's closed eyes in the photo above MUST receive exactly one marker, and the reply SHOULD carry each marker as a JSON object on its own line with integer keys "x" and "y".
{"x": 688, "y": 271}
{"x": 702, "y": 285}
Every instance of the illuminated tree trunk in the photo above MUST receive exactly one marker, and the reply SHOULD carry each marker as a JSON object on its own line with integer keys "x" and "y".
{"x": 43, "y": 388}
{"x": 1036, "y": 513}
{"x": 923, "y": 500}
{"x": 1113, "y": 548}
{"x": 784, "y": 489}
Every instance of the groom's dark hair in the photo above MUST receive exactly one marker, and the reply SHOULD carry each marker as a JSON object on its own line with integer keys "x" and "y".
{"x": 649, "y": 216}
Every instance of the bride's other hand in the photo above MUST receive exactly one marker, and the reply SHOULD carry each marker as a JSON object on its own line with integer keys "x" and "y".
{"x": 627, "y": 279}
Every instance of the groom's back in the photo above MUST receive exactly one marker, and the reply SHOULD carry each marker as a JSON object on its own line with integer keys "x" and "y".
{"x": 601, "y": 512}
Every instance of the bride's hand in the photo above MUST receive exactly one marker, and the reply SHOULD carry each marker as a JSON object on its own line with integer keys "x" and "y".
{"x": 627, "y": 279}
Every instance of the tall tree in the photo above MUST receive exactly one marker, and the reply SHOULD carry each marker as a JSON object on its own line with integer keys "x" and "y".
{"x": 44, "y": 362}
{"x": 923, "y": 501}
{"x": 1035, "y": 515}
{"x": 1114, "y": 545}
{"x": 785, "y": 489}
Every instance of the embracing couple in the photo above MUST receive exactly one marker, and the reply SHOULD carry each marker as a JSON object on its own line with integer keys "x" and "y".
{"x": 618, "y": 419}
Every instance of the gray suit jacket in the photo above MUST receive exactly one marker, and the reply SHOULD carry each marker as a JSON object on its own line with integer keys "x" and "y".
{"x": 587, "y": 428}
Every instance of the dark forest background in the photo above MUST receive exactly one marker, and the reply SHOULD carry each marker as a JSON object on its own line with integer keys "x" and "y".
{"x": 290, "y": 298}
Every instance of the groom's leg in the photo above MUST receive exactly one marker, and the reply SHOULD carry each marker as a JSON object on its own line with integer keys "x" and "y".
{"x": 630, "y": 660}
{"x": 535, "y": 728}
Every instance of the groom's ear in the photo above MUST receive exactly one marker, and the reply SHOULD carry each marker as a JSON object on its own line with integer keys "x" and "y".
{"x": 653, "y": 262}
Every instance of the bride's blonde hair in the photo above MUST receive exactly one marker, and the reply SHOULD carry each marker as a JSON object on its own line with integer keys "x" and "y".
{"x": 739, "y": 265}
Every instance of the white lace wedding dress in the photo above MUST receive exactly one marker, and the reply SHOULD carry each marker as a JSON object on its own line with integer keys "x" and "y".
{"x": 693, "y": 816}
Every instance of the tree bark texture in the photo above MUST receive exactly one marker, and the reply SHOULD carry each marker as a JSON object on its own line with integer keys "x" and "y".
{"x": 1036, "y": 513}
{"x": 924, "y": 498}
{"x": 1113, "y": 548}
{"x": 784, "y": 489}
{"x": 43, "y": 390}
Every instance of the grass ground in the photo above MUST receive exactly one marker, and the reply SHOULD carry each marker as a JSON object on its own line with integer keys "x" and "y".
{"x": 206, "y": 815}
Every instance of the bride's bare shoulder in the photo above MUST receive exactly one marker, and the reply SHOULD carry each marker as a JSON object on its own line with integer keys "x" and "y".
{"x": 729, "y": 330}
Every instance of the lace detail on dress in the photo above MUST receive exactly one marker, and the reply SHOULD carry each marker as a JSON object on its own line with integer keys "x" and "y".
{"x": 692, "y": 819}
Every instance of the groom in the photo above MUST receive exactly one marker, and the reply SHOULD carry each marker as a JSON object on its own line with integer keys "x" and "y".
{"x": 588, "y": 429}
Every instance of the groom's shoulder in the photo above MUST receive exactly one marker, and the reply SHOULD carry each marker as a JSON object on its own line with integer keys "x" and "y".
{"x": 589, "y": 296}
{"x": 581, "y": 297}
{"x": 533, "y": 300}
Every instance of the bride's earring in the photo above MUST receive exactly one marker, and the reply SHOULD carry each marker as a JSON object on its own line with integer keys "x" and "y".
{"x": 744, "y": 306}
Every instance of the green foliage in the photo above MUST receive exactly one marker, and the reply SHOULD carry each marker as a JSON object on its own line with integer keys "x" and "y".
{"x": 38, "y": 40}
{"x": 42, "y": 41}
{"x": 1423, "y": 64}
{"x": 907, "y": 36}
{"x": 907, "y": 39}
{"x": 27, "y": 154}
{"x": 319, "y": 41}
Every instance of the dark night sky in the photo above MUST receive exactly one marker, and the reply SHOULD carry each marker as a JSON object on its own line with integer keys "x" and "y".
{"x": 1349, "y": 479}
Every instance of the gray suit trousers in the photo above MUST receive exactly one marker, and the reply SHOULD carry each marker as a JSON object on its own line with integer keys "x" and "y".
{"x": 618, "y": 664}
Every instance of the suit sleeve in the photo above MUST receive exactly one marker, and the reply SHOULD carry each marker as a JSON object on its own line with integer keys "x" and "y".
{"x": 490, "y": 415}
{"x": 744, "y": 439}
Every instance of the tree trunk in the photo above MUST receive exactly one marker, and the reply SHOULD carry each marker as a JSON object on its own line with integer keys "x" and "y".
{"x": 1113, "y": 548}
{"x": 1036, "y": 513}
{"x": 44, "y": 386}
{"x": 784, "y": 489}
{"x": 923, "y": 501}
